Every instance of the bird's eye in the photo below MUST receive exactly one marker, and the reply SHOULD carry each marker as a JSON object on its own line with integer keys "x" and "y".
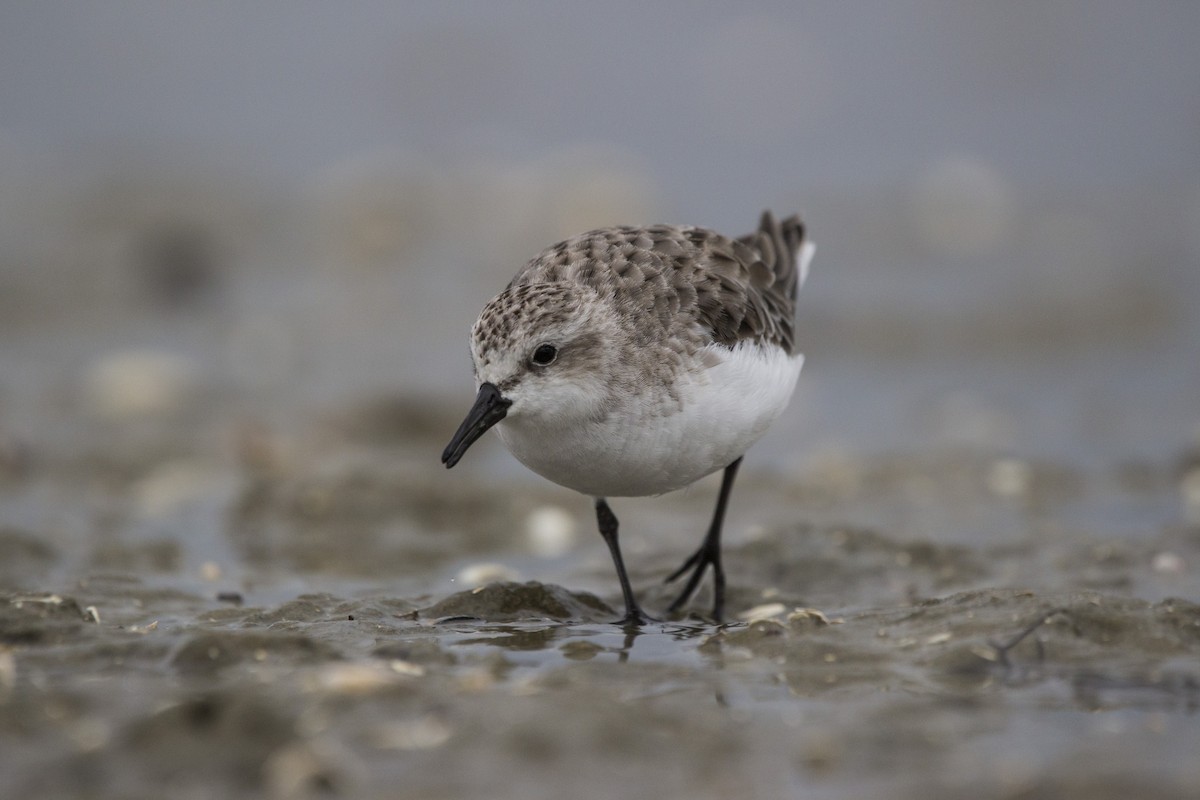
{"x": 545, "y": 354}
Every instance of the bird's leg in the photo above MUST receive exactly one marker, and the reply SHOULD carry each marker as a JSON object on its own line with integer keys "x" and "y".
{"x": 709, "y": 553}
{"x": 607, "y": 522}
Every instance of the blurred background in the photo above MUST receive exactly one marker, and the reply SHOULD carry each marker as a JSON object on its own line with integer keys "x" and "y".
{"x": 241, "y": 248}
{"x": 270, "y": 212}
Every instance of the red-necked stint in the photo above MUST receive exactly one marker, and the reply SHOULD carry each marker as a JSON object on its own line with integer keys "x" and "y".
{"x": 631, "y": 361}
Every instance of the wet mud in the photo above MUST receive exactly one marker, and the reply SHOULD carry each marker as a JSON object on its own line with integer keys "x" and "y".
{"x": 332, "y": 641}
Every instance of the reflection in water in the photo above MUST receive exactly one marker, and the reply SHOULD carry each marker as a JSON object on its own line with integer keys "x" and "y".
{"x": 652, "y": 643}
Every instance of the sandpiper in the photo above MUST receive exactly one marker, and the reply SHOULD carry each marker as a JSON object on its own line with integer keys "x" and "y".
{"x": 632, "y": 361}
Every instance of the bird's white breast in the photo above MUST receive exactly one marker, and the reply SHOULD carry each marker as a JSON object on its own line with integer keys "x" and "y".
{"x": 653, "y": 443}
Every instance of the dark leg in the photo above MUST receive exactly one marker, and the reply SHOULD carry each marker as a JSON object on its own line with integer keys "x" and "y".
{"x": 709, "y": 553}
{"x": 607, "y": 521}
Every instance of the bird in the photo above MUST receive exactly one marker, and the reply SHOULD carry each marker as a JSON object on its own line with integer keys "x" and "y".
{"x": 633, "y": 361}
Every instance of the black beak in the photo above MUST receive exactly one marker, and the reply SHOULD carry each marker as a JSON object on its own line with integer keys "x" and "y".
{"x": 489, "y": 409}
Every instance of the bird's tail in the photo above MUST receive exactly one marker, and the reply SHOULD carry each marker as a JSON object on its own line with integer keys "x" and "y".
{"x": 784, "y": 249}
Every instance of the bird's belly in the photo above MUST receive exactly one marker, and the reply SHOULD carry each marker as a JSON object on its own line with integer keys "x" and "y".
{"x": 653, "y": 447}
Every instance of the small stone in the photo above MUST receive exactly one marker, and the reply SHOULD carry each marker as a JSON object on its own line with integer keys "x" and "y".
{"x": 1168, "y": 563}
{"x": 1009, "y": 477}
{"x": 479, "y": 575}
{"x": 406, "y": 668}
{"x": 174, "y": 485}
{"x": 137, "y": 382}
{"x": 550, "y": 532}
{"x": 355, "y": 678}
{"x": 764, "y": 611}
{"x": 422, "y": 733}
{"x": 810, "y": 617}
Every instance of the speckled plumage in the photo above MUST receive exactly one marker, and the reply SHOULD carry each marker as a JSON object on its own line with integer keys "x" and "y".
{"x": 674, "y": 278}
{"x": 674, "y": 289}
{"x": 670, "y": 350}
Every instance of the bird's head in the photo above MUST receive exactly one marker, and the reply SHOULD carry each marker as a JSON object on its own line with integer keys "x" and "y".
{"x": 541, "y": 354}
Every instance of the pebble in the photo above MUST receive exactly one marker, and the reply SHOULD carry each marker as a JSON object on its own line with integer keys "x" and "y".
{"x": 479, "y": 575}
{"x": 132, "y": 383}
{"x": 1168, "y": 563}
{"x": 550, "y": 532}
{"x": 764, "y": 611}
{"x": 173, "y": 485}
{"x": 1009, "y": 477}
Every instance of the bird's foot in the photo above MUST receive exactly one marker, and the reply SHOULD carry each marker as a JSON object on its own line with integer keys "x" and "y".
{"x": 698, "y": 562}
{"x": 635, "y": 618}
